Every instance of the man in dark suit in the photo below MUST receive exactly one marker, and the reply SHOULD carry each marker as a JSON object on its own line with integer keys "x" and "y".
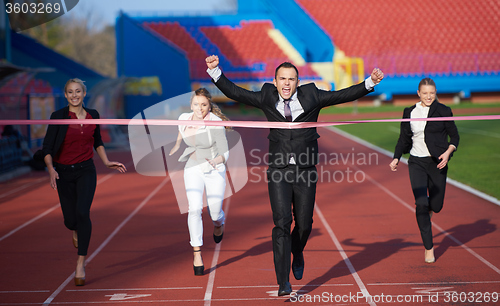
{"x": 293, "y": 154}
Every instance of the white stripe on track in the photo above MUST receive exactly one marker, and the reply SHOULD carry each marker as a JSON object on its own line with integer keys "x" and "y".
{"x": 22, "y": 187}
{"x": 404, "y": 160}
{"x": 105, "y": 242}
{"x": 274, "y": 286}
{"x": 435, "y": 283}
{"x": 48, "y": 211}
{"x": 134, "y": 289}
{"x": 215, "y": 259}
{"x": 25, "y": 291}
{"x": 411, "y": 208}
{"x": 354, "y": 274}
{"x": 12, "y": 232}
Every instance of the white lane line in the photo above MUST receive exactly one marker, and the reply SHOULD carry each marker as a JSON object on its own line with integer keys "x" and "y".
{"x": 457, "y": 184}
{"x": 215, "y": 259}
{"x": 410, "y": 207}
{"x": 274, "y": 286}
{"x": 157, "y": 302}
{"x": 438, "y": 283}
{"x": 25, "y": 291}
{"x": 354, "y": 274}
{"x": 48, "y": 211}
{"x": 434, "y": 224}
{"x": 134, "y": 289}
{"x": 12, "y": 232}
{"x": 23, "y": 187}
{"x": 105, "y": 242}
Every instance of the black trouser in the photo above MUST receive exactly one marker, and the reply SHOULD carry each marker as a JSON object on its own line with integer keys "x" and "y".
{"x": 292, "y": 193}
{"x": 426, "y": 177}
{"x": 76, "y": 188}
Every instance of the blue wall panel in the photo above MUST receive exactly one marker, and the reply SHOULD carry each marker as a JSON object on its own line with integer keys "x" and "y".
{"x": 141, "y": 53}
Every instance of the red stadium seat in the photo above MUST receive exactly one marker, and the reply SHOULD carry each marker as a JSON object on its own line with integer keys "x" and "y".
{"x": 378, "y": 30}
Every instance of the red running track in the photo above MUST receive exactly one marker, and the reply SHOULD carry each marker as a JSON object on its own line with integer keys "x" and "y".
{"x": 365, "y": 240}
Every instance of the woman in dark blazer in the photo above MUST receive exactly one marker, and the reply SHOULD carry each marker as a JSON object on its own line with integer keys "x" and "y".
{"x": 67, "y": 152}
{"x": 431, "y": 145}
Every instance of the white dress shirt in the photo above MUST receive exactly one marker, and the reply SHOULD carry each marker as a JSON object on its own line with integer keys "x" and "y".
{"x": 419, "y": 148}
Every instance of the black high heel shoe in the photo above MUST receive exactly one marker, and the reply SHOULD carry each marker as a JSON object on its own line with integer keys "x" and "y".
{"x": 218, "y": 239}
{"x": 198, "y": 270}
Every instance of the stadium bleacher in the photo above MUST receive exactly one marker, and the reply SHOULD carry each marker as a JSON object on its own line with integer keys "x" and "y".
{"x": 455, "y": 42}
{"x": 246, "y": 51}
{"x": 414, "y": 37}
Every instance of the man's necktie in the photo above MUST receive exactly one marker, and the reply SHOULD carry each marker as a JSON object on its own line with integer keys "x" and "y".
{"x": 288, "y": 112}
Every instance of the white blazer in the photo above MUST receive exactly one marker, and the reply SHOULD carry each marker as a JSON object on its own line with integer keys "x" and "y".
{"x": 208, "y": 143}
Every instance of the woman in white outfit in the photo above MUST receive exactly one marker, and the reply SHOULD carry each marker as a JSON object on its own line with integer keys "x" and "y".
{"x": 205, "y": 169}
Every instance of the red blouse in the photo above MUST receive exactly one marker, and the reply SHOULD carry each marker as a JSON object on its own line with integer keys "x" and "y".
{"x": 78, "y": 145}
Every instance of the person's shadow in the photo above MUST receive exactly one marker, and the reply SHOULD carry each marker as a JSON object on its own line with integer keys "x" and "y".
{"x": 464, "y": 233}
{"x": 264, "y": 247}
{"x": 370, "y": 255}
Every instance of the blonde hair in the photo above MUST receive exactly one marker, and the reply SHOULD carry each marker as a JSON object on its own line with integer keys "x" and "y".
{"x": 214, "y": 107}
{"x": 75, "y": 80}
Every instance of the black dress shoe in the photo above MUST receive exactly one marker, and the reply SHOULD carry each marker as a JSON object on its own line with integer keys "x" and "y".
{"x": 298, "y": 266}
{"x": 285, "y": 289}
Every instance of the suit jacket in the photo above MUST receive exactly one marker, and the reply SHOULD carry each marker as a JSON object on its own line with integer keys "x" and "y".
{"x": 57, "y": 132}
{"x": 302, "y": 143}
{"x": 209, "y": 142}
{"x": 436, "y": 132}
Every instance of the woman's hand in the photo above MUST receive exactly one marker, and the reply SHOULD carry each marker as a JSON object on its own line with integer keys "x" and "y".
{"x": 445, "y": 157}
{"x": 117, "y": 166}
{"x": 174, "y": 149}
{"x": 53, "y": 176}
{"x": 394, "y": 164}
{"x": 212, "y": 163}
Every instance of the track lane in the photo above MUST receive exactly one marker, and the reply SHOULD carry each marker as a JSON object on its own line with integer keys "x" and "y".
{"x": 150, "y": 260}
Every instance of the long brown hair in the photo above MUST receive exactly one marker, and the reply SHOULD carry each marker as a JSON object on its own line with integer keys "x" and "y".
{"x": 213, "y": 107}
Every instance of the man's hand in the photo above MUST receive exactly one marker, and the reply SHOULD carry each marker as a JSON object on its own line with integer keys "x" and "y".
{"x": 212, "y": 61}
{"x": 377, "y": 76}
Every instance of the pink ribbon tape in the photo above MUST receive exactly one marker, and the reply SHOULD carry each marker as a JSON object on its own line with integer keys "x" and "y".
{"x": 246, "y": 124}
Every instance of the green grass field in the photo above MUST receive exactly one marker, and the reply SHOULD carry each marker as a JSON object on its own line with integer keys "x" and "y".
{"x": 476, "y": 162}
{"x": 349, "y": 108}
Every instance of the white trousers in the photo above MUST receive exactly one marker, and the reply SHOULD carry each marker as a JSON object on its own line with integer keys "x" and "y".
{"x": 214, "y": 183}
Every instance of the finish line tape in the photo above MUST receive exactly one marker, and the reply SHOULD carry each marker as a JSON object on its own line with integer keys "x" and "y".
{"x": 246, "y": 124}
